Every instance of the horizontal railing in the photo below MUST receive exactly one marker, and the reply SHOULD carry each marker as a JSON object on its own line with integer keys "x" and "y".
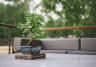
{"x": 69, "y": 28}
{"x": 55, "y": 28}
{"x": 7, "y": 25}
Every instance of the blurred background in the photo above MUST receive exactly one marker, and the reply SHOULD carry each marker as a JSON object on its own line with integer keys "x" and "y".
{"x": 56, "y": 13}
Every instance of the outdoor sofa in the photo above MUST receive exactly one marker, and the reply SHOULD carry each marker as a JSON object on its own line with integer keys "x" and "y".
{"x": 63, "y": 45}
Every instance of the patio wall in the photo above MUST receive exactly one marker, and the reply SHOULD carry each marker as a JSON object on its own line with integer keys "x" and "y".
{"x": 65, "y": 45}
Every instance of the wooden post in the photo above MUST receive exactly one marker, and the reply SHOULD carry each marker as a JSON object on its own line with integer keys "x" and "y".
{"x": 9, "y": 37}
{"x": 9, "y": 34}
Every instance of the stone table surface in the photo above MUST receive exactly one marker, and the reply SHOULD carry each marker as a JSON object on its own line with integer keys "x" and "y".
{"x": 52, "y": 60}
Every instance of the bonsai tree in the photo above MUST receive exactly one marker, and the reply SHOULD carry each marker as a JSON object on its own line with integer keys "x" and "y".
{"x": 31, "y": 28}
{"x": 32, "y": 25}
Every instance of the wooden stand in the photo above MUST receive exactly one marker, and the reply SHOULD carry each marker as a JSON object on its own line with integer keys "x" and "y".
{"x": 30, "y": 56}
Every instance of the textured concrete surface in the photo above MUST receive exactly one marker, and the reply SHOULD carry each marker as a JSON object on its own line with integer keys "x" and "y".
{"x": 52, "y": 60}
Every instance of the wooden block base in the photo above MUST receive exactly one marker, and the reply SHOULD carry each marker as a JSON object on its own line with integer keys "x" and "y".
{"x": 30, "y": 56}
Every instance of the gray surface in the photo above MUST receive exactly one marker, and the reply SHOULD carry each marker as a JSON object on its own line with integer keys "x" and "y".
{"x": 82, "y": 52}
{"x": 17, "y": 43}
{"x": 53, "y": 44}
{"x": 88, "y": 43}
{"x": 54, "y": 51}
{"x": 52, "y": 60}
{"x": 61, "y": 44}
{"x": 56, "y": 45}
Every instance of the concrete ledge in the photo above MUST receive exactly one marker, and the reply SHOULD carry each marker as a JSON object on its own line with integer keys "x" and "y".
{"x": 17, "y": 43}
{"x": 82, "y": 52}
{"x": 61, "y": 44}
{"x": 54, "y": 51}
{"x": 88, "y": 43}
{"x": 64, "y": 45}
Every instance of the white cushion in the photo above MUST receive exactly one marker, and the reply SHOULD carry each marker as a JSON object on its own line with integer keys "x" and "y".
{"x": 60, "y": 44}
{"x": 17, "y": 43}
{"x": 88, "y": 43}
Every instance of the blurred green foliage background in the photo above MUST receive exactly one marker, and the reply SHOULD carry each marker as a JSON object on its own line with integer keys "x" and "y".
{"x": 66, "y": 13}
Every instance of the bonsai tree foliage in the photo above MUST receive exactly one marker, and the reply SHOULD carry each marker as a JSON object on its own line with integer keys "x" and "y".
{"x": 32, "y": 25}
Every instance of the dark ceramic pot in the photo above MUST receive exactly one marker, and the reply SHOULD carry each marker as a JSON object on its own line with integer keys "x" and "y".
{"x": 26, "y": 49}
{"x": 32, "y": 50}
{"x": 36, "y": 50}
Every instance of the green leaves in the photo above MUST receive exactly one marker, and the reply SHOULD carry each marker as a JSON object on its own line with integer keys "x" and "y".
{"x": 32, "y": 25}
{"x": 76, "y": 13}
